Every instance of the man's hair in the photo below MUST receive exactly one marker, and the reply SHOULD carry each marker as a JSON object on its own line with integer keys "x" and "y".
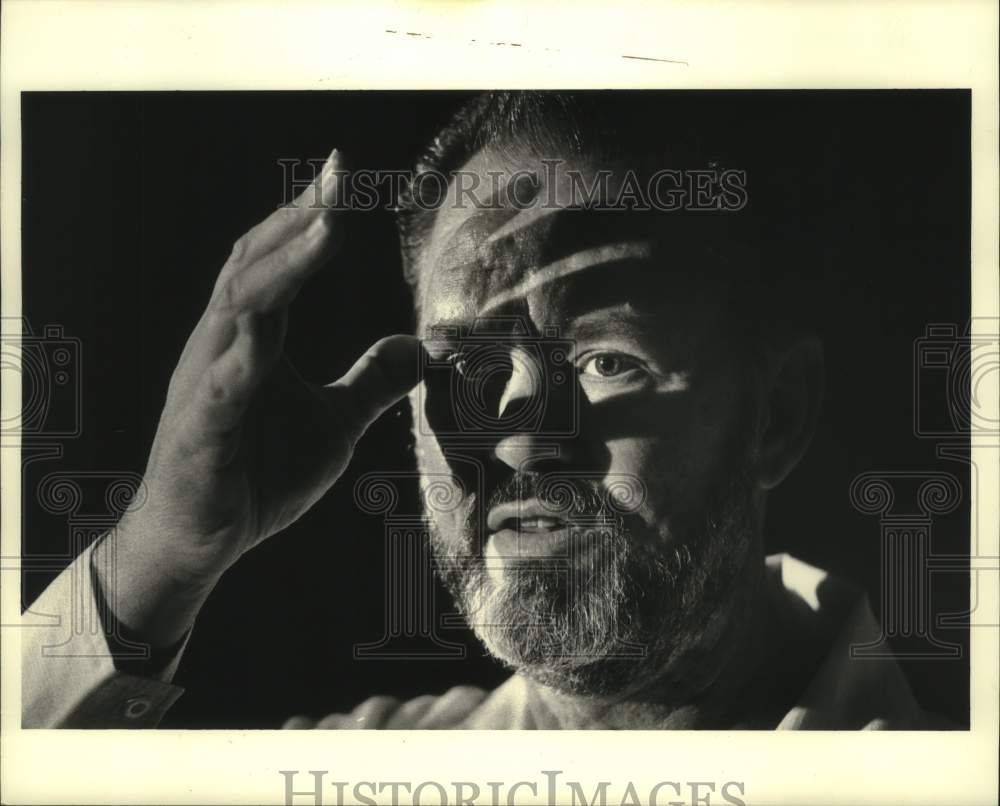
{"x": 764, "y": 242}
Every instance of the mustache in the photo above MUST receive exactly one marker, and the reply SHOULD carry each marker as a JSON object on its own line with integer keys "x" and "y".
{"x": 575, "y": 495}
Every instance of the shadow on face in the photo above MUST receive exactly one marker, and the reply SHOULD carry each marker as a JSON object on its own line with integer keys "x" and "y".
{"x": 594, "y": 344}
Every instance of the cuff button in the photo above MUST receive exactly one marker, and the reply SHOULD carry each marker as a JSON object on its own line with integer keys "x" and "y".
{"x": 135, "y": 707}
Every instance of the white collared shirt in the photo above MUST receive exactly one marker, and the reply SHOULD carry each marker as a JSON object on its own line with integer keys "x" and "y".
{"x": 69, "y": 678}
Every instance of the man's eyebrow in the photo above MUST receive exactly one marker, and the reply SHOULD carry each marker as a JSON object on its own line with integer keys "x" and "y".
{"x": 622, "y": 320}
{"x": 619, "y": 320}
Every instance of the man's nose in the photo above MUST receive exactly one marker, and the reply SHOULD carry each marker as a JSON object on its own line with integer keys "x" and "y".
{"x": 530, "y": 408}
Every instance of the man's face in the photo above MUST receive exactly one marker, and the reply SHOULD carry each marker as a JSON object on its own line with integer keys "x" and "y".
{"x": 584, "y": 432}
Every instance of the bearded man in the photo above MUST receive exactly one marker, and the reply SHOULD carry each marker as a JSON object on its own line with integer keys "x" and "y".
{"x": 612, "y": 369}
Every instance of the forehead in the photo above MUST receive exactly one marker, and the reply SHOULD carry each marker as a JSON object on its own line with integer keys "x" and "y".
{"x": 507, "y": 234}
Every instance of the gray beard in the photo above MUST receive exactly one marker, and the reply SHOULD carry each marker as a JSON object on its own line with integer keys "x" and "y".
{"x": 623, "y": 609}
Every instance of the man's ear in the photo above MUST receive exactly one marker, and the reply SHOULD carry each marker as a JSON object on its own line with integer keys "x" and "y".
{"x": 792, "y": 394}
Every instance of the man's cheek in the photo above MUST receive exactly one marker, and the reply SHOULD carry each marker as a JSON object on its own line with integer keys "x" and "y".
{"x": 658, "y": 475}
{"x": 722, "y": 427}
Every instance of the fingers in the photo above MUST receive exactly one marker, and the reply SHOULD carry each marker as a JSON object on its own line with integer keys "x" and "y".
{"x": 323, "y": 193}
{"x": 262, "y": 289}
{"x": 380, "y": 378}
{"x": 274, "y": 280}
{"x": 267, "y": 268}
{"x": 240, "y": 338}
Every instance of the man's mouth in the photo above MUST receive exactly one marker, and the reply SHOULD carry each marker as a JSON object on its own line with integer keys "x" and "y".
{"x": 527, "y": 517}
{"x": 528, "y": 525}
{"x": 521, "y": 529}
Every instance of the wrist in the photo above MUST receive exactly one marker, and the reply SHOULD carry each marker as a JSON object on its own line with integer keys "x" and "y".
{"x": 154, "y": 602}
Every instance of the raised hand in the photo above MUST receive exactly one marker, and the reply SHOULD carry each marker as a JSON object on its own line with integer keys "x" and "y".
{"x": 244, "y": 445}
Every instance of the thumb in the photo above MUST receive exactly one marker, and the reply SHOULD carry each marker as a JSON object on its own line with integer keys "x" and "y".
{"x": 382, "y": 376}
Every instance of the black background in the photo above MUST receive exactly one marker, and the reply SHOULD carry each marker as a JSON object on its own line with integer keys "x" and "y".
{"x": 131, "y": 202}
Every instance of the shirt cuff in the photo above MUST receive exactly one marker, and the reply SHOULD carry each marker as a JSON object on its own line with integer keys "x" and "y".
{"x": 69, "y": 676}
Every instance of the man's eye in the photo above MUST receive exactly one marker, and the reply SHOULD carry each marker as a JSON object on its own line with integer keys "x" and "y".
{"x": 608, "y": 365}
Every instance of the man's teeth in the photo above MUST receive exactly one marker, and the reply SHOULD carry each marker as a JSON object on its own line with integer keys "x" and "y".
{"x": 540, "y": 524}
